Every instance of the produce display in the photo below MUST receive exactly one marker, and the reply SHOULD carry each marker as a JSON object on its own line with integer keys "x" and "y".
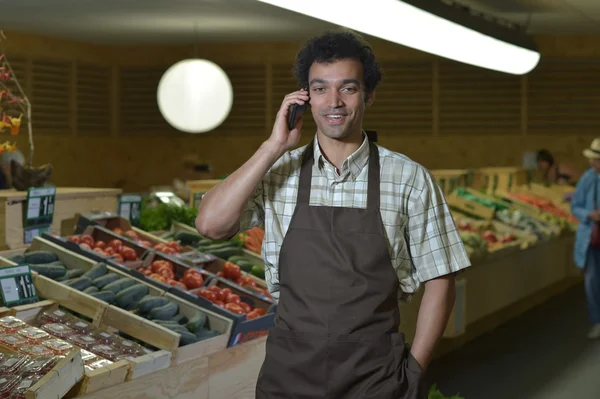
{"x": 170, "y": 248}
{"x": 485, "y": 232}
{"x": 115, "y": 248}
{"x": 519, "y": 220}
{"x": 231, "y": 251}
{"x": 161, "y": 217}
{"x": 165, "y": 272}
{"x": 123, "y": 292}
{"x": 228, "y": 299}
{"x": 253, "y": 239}
{"x": 554, "y": 213}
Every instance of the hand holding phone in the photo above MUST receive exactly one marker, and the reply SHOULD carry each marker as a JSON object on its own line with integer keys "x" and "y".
{"x": 295, "y": 113}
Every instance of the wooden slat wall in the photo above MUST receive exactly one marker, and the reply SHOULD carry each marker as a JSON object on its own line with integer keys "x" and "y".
{"x": 139, "y": 113}
{"x": 478, "y": 101}
{"x": 249, "y": 102}
{"x": 416, "y": 97}
{"x": 93, "y": 100}
{"x": 51, "y": 96}
{"x": 564, "y": 97}
{"x": 403, "y": 101}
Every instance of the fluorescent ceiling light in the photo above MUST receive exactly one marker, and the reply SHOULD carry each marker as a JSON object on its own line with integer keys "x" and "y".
{"x": 410, "y": 26}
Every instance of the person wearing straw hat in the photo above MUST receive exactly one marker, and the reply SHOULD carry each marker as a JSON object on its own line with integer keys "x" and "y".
{"x": 584, "y": 206}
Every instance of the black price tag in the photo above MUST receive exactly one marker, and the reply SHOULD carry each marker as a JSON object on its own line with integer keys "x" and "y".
{"x": 39, "y": 207}
{"x": 130, "y": 208}
{"x": 16, "y": 286}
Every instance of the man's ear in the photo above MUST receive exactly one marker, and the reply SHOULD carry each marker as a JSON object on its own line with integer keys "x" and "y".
{"x": 370, "y": 98}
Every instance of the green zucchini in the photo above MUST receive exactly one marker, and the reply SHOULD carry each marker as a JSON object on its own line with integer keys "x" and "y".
{"x": 187, "y": 338}
{"x": 80, "y": 283}
{"x": 197, "y": 322}
{"x": 51, "y": 271}
{"x": 39, "y": 257}
{"x": 91, "y": 290}
{"x": 18, "y": 259}
{"x": 103, "y": 281}
{"x": 223, "y": 253}
{"x": 179, "y": 319}
{"x": 164, "y": 312}
{"x": 98, "y": 270}
{"x": 119, "y": 285}
{"x": 105, "y": 296}
{"x": 71, "y": 274}
{"x": 186, "y": 238}
{"x": 131, "y": 296}
{"x": 150, "y": 302}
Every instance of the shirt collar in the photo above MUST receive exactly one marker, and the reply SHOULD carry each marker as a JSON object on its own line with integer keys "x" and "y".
{"x": 353, "y": 165}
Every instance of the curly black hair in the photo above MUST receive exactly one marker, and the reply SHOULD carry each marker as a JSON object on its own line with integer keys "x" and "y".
{"x": 545, "y": 155}
{"x": 334, "y": 46}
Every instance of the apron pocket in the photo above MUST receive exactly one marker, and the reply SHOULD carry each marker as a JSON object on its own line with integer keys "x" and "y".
{"x": 294, "y": 366}
{"x": 362, "y": 369}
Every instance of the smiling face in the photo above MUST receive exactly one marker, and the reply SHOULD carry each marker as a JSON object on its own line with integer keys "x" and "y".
{"x": 338, "y": 98}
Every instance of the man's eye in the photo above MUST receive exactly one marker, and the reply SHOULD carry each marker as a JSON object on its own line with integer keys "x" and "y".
{"x": 318, "y": 89}
{"x": 350, "y": 89}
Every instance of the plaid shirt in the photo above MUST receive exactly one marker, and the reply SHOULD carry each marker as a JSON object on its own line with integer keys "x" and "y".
{"x": 422, "y": 237}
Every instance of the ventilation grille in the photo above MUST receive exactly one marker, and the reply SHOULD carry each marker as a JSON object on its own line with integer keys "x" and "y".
{"x": 93, "y": 100}
{"x": 51, "y": 88}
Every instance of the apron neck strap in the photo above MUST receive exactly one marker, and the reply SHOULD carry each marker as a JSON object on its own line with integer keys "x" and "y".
{"x": 373, "y": 194}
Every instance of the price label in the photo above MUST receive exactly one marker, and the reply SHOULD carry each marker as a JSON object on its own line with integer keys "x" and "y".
{"x": 196, "y": 198}
{"x": 39, "y": 207}
{"x": 16, "y": 286}
{"x": 30, "y": 234}
{"x": 130, "y": 208}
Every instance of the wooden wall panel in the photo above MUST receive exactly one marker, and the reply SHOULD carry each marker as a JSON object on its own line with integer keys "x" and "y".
{"x": 564, "y": 97}
{"x": 478, "y": 101}
{"x": 479, "y": 112}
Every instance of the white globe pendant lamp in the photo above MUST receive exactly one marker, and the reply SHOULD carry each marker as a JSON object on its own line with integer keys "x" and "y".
{"x": 195, "y": 96}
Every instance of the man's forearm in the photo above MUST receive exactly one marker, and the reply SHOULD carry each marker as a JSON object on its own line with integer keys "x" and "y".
{"x": 221, "y": 208}
{"x": 434, "y": 312}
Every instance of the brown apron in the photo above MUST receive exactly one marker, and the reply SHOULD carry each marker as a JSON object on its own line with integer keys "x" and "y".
{"x": 336, "y": 329}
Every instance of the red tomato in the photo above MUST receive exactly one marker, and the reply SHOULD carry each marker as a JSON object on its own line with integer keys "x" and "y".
{"x": 246, "y": 307}
{"x": 146, "y": 272}
{"x": 86, "y": 246}
{"x": 160, "y": 247}
{"x": 220, "y": 274}
{"x": 235, "y": 308}
{"x": 100, "y": 244}
{"x": 74, "y": 239}
{"x": 226, "y": 291}
{"x": 128, "y": 253}
{"x": 219, "y": 303}
{"x": 191, "y": 271}
{"x": 116, "y": 245}
{"x": 168, "y": 251}
{"x": 174, "y": 245}
{"x": 118, "y": 230}
{"x": 231, "y": 271}
{"x": 145, "y": 244}
{"x": 166, "y": 273}
{"x": 118, "y": 258}
{"x": 260, "y": 311}
{"x": 233, "y": 298}
{"x": 109, "y": 251}
{"x": 192, "y": 281}
{"x": 87, "y": 239}
{"x": 131, "y": 234}
{"x": 218, "y": 292}
{"x": 177, "y": 284}
{"x": 207, "y": 295}
{"x": 159, "y": 264}
{"x": 100, "y": 251}
{"x": 253, "y": 315}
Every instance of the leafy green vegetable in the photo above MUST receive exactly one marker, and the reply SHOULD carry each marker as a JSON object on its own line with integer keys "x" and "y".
{"x": 163, "y": 215}
{"x": 434, "y": 393}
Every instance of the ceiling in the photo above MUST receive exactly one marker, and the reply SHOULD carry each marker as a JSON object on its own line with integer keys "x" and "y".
{"x": 186, "y": 21}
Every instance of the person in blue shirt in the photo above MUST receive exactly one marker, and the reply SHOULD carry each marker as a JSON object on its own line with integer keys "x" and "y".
{"x": 584, "y": 206}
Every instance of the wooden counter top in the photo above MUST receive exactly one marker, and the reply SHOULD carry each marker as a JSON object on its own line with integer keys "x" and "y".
{"x": 63, "y": 192}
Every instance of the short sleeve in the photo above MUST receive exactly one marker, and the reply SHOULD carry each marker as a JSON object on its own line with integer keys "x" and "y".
{"x": 435, "y": 245}
{"x": 254, "y": 213}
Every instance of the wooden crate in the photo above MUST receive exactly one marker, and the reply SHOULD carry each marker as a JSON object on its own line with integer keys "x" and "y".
{"x": 69, "y": 202}
{"x": 208, "y": 346}
{"x": 470, "y": 207}
{"x": 91, "y": 381}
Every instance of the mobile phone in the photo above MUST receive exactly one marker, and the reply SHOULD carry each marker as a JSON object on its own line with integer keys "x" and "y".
{"x": 295, "y": 113}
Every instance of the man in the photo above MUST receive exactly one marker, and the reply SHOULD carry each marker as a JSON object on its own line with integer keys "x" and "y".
{"x": 349, "y": 227}
{"x": 584, "y": 206}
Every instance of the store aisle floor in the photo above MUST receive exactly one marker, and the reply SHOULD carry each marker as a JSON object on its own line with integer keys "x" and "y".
{"x": 543, "y": 354}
